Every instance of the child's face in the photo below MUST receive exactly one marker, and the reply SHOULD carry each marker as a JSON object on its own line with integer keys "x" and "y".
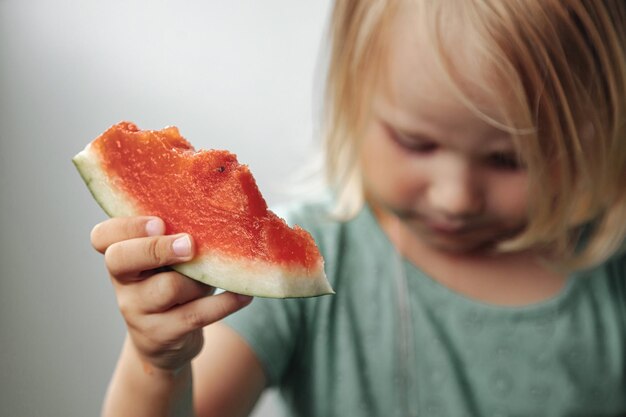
{"x": 452, "y": 178}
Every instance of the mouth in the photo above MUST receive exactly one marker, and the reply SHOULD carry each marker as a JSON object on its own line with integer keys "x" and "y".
{"x": 476, "y": 235}
{"x": 458, "y": 237}
{"x": 448, "y": 228}
{"x": 439, "y": 226}
{"x": 456, "y": 227}
{"x": 462, "y": 235}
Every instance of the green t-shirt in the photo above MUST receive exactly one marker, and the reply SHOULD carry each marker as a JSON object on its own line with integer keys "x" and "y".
{"x": 394, "y": 342}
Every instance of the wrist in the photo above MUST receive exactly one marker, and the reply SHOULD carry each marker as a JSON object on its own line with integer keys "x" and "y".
{"x": 152, "y": 370}
{"x": 139, "y": 388}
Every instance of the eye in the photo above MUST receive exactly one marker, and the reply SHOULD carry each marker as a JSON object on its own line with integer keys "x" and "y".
{"x": 505, "y": 161}
{"x": 412, "y": 144}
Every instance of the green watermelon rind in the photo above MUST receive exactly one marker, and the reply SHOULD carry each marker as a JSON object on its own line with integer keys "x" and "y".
{"x": 252, "y": 277}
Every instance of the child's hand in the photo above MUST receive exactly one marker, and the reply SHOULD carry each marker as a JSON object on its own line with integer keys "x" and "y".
{"x": 164, "y": 310}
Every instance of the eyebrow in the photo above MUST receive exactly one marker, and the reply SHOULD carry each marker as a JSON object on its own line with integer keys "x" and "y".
{"x": 498, "y": 142}
{"x": 417, "y": 135}
{"x": 398, "y": 122}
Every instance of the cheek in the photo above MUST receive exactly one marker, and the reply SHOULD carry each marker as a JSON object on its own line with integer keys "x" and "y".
{"x": 510, "y": 198}
{"x": 387, "y": 173}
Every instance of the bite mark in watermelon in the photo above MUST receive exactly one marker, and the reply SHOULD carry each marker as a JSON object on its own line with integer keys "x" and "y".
{"x": 241, "y": 245}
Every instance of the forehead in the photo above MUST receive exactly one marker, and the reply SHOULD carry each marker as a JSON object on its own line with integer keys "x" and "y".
{"x": 437, "y": 79}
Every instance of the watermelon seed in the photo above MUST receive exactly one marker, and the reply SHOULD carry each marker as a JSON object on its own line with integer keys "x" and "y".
{"x": 221, "y": 169}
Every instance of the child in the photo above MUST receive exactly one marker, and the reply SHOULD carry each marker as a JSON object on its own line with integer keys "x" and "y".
{"x": 476, "y": 155}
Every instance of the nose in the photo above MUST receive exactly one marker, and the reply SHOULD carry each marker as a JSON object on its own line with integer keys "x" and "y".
{"x": 456, "y": 194}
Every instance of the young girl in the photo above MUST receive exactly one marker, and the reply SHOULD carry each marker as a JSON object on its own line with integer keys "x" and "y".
{"x": 476, "y": 155}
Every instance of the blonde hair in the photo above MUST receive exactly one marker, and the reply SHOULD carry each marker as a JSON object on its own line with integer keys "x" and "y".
{"x": 564, "y": 65}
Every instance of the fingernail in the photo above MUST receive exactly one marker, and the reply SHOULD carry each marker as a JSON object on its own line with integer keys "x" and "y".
{"x": 182, "y": 246}
{"x": 244, "y": 299}
{"x": 154, "y": 227}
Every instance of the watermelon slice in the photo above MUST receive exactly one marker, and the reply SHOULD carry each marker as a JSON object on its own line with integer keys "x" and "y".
{"x": 241, "y": 245}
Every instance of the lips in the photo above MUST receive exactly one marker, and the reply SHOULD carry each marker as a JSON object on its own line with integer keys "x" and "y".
{"x": 455, "y": 229}
{"x": 446, "y": 226}
{"x": 451, "y": 227}
{"x": 458, "y": 237}
{"x": 479, "y": 233}
{"x": 439, "y": 226}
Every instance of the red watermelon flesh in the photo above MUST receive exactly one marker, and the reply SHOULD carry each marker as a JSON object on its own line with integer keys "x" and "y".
{"x": 241, "y": 245}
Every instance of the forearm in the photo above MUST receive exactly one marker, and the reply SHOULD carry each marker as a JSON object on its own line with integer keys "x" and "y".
{"x": 138, "y": 389}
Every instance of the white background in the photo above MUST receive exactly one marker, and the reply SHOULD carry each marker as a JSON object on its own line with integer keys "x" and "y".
{"x": 241, "y": 75}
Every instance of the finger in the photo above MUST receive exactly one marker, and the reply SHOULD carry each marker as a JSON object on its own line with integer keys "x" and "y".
{"x": 204, "y": 311}
{"x": 117, "y": 229}
{"x": 168, "y": 289}
{"x": 128, "y": 259}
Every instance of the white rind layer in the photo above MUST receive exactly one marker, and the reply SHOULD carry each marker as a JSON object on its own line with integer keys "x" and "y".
{"x": 255, "y": 278}
{"x": 239, "y": 275}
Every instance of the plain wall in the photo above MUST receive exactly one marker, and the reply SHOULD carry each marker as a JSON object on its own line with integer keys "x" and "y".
{"x": 237, "y": 75}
